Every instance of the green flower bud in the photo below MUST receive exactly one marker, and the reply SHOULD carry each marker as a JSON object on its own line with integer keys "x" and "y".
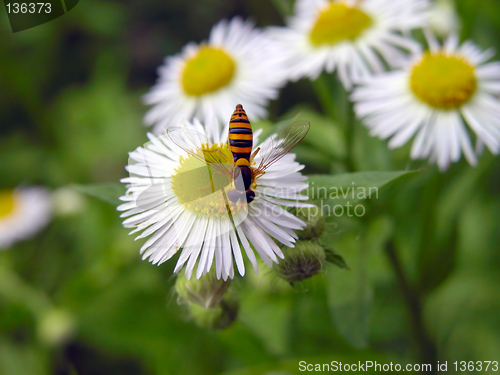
{"x": 301, "y": 262}
{"x": 55, "y": 326}
{"x": 218, "y": 317}
{"x": 314, "y": 219}
{"x": 66, "y": 201}
{"x": 206, "y": 291}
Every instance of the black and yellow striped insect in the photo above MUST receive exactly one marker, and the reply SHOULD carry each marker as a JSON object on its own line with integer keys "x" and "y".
{"x": 243, "y": 169}
{"x": 240, "y": 140}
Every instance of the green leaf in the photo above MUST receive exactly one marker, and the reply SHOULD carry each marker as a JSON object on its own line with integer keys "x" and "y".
{"x": 347, "y": 188}
{"x": 356, "y": 179}
{"x": 349, "y": 294}
{"x": 463, "y": 316}
{"x": 369, "y": 153}
{"x": 23, "y": 358}
{"x": 268, "y": 319}
{"x": 460, "y": 189}
{"x": 335, "y": 258}
{"x": 108, "y": 192}
{"x": 379, "y": 231}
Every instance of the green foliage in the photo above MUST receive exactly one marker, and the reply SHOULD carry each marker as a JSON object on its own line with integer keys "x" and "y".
{"x": 335, "y": 258}
{"x": 77, "y": 299}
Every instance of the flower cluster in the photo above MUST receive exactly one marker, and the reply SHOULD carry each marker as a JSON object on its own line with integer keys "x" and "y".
{"x": 355, "y": 38}
{"x": 440, "y": 95}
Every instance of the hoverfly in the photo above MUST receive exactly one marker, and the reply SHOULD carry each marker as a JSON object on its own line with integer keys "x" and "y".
{"x": 242, "y": 169}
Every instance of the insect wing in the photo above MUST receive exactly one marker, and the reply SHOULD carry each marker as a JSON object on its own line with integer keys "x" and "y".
{"x": 278, "y": 145}
{"x": 192, "y": 141}
{"x": 211, "y": 162}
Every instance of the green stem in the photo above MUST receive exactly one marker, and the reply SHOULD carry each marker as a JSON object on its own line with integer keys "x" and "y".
{"x": 334, "y": 100}
{"x": 345, "y": 116}
{"x": 284, "y": 7}
{"x": 350, "y": 125}
{"x": 413, "y": 301}
{"x": 324, "y": 94}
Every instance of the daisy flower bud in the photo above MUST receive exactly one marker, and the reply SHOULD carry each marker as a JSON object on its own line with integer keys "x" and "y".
{"x": 206, "y": 291}
{"x": 314, "y": 220}
{"x": 56, "y": 326}
{"x": 443, "y": 18}
{"x": 67, "y": 201}
{"x": 301, "y": 262}
{"x": 219, "y": 317}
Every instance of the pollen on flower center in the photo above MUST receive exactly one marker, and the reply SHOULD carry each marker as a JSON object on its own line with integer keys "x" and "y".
{"x": 202, "y": 186}
{"x": 7, "y": 203}
{"x": 338, "y": 23}
{"x": 209, "y": 70}
{"x": 443, "y": 82}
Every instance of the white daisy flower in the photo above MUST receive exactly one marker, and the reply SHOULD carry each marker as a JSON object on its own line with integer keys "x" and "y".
{"x": 349, "y": 36}
{"x": 443, "y": 89}
{"x": 167, "y": 199}
{"x": 23, "y": 212}
{"x": 239, "y": 63}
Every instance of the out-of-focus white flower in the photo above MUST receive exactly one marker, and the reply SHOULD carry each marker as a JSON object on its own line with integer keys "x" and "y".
{"x": 434, "y": 98}
{"x": 349, "y": 36}
{"x": 66, "y": 201}
{"x": 443, "y": 18}
{"x": 23, "y": 212}
{"x": 238, "y": 64}
{"x": 167, "y": 199}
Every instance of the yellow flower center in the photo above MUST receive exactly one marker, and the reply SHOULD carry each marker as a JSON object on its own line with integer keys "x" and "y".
{"x": 208, "y": 71}
{"x": 7, "y": 203}
{"x": 202, "y": 187}
{"x": 339, "y": 23}
{"x": 443, "y": 82}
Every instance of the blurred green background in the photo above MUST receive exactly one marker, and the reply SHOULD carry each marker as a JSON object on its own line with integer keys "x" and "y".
{"x": 77, "y": 299}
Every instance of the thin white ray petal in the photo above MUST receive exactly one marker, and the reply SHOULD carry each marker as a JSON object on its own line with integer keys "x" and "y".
{"x": 248, "y": 249}
{"x": 237, "y": 252}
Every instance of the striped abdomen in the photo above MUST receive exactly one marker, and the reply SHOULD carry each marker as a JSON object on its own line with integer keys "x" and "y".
{"x": 240, "y": 135}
